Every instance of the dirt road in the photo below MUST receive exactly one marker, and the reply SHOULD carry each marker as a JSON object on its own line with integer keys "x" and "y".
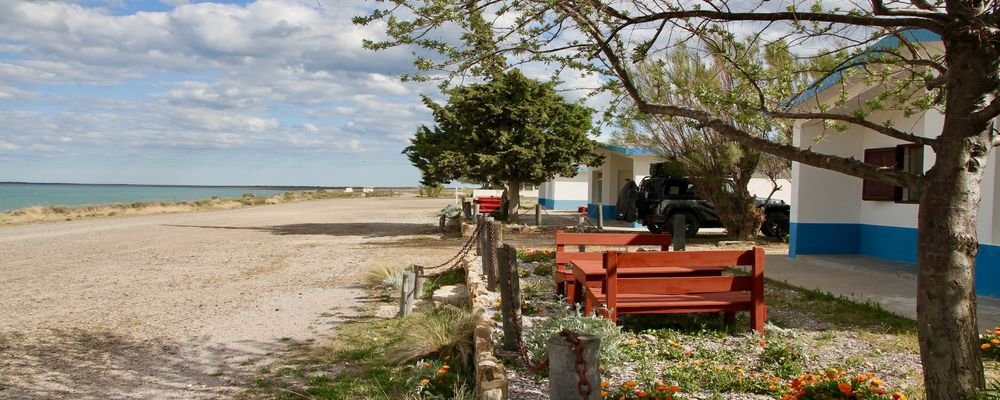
{"x": 179, "y": 306}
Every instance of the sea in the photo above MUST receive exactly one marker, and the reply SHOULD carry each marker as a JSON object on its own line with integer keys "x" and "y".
{"x": 14, "y": 196}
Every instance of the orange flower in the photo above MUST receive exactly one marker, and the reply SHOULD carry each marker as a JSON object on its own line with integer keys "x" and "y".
{"x": 995, "y": 341}
{"x": 788, "y": 397}
{"x": 762, "y": 343}
{"x": 641, "y": 394}
{"x": 674, "y": 388}
{"x": 605, "y": 384}
{"x": 985, "y": 346}
{"x": 441, "y": 371}
{"x": 898, "y": 396}
{"x": 660, "y": 387}
{"x": 880, "y": 391}
{"x": 427, "y": 365}
{"x": 846, "y": 388}
{"x": 604, "y": 393}
{"x": 425, "y": 381}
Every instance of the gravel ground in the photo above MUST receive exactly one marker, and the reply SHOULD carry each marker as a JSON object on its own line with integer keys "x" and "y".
{"x": 184, "y": 306}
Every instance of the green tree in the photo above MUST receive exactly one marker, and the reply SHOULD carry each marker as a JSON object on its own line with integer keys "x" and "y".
{"x": 959, "y": 77}
{"x": 509, "y": 131}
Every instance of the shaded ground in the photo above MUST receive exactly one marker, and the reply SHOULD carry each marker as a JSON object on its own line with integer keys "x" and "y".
{"x": 187, "y": 305}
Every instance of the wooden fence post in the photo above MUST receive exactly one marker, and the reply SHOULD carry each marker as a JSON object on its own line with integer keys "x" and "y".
{"x": 564, "y": 381}
{"x": 490, "y": 254}
{"x": 538, "y": 215}
{"x": 418, "y": 282}
{"x": 406, "y": 297}
{"x": 510, "y": 295}
{"x": 679, "y": 232}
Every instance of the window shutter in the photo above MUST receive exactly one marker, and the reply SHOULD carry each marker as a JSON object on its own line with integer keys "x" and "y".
{"x": 878, "y": 191}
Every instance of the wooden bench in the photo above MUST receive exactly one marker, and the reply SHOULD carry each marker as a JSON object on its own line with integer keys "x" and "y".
{"x": 563, "y": 275}
{"x": 681, "y": 294}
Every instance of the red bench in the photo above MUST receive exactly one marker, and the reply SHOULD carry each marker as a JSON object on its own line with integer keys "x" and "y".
{"x": 681, "y": 294}
{"x": 563, "y": 275}
{"x": 488, "y": 204}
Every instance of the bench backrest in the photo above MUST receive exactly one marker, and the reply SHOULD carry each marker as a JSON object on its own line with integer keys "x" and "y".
{"x": 604, "y": 239}
{"x": 615, "y": 261}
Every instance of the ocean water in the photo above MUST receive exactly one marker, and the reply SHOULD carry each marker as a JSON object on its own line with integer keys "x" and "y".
{"x": 20, "y": 195}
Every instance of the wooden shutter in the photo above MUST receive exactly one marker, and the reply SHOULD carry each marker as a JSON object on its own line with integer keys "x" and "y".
{"x": 878, "y": 191}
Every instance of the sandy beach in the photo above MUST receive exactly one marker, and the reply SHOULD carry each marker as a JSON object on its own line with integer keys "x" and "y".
{"x": 184, "y": 305}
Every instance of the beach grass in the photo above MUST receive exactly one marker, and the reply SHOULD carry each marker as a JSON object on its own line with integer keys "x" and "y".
{"x": 37, "y": 214}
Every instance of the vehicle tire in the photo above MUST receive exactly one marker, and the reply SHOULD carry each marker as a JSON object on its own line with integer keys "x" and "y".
{"x": 654, "y": 228}
{"x": 775, "y": 224}
{"x": 691, "y": 223}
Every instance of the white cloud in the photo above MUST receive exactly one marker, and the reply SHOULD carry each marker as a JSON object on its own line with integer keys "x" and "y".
{"x": 310, "y": 128}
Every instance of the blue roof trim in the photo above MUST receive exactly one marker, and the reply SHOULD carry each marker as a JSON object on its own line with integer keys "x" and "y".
{"x": 888, "y": 42}
{"x": 629, "y": 151}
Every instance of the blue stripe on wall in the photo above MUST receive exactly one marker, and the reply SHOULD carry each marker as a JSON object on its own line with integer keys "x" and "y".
{"x": 609, "y": 211}
{"x": 988, "y": 270}
{"x": 553, "y": 204}
{"x": 885, "y": 242}
{"x": 888, "y": 242}
{"x": 817, "y": 238}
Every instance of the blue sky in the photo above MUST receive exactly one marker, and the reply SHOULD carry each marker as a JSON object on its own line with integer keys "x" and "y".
{"x": 272, "y": 92}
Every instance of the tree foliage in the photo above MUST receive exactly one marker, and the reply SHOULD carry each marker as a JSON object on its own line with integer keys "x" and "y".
{"x": 508, "y": 131}
{"x": 873, "y": 59}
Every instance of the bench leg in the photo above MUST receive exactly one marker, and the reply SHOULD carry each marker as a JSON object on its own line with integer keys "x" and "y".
{"x": 571, "y": 291}
{"x": 757, "y": 315}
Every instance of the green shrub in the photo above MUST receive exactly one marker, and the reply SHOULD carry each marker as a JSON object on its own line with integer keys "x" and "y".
{"x": 444, "y": 332}
{"x": 536, "y": 256}
{"x": 544, "y": 269}
{"x": 781, "y": 358}
{"x": 612, "y": 339}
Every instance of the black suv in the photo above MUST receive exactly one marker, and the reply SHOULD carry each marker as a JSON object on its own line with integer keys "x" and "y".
{"x": 658, "y": 199}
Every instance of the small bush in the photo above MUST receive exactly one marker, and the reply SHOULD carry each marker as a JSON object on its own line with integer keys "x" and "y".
{"x": 612, "y": 339}
{"x": 836, "y": 384}
{"x": 536, "y": 256}
{"x": 990, "y": 343}
{"x": 782, "y": 358}
{"x": 544, "y": 269}
{"x": 436, "y": 379}
{"x": 390, "y": 277}
{"x": 444, "y": 332}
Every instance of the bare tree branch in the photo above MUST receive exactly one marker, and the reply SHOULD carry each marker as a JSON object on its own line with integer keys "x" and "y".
{"x": 885, "y": 130}
{"x": 849, "y": 166}
{"x": 932, "y": 21}
{"x": 879, "y": 8}
{"x": 989, "y": 112}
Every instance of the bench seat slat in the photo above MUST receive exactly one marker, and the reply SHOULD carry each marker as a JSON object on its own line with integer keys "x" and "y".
{"x": 683, "y": 285}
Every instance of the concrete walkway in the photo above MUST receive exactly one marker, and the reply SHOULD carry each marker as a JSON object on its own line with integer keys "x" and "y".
{"x": 891, "y": 284}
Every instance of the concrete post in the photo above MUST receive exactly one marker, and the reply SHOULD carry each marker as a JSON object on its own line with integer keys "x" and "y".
{"x": 680, "y": 233}
{"x": 600, "y": 216}
{"x": 406, "y": 297}
{"x": 510, "y": 302}
{"x": 418, "y": 282}
{"x": 564, "y": 381}
{"x": 538, "y": 215}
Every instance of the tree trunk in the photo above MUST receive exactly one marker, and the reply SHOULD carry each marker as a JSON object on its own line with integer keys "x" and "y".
{"x": 947, "y": 240}
{"x": 513, "y": 201}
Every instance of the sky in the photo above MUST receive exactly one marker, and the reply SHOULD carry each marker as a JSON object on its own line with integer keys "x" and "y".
{"x": 267, "y": 92}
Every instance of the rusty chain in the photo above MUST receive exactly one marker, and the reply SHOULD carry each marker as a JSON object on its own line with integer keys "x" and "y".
{"x": 454, "y": 260}
{"x": 583, "y": 386}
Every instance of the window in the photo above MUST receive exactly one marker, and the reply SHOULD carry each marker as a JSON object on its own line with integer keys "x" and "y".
{"x": 904, "y": 157}
{"x": 911, "y": 160}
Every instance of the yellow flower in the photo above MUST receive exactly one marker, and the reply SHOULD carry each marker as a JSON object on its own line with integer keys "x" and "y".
{"x": 633, "y": 342}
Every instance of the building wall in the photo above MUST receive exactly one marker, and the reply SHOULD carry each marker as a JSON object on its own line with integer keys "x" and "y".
{"x": 563, "y": 193}
{"x": 829, "y": 217}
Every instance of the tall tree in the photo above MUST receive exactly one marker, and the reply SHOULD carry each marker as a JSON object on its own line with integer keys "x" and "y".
{"x": 959, "y": 77}
{"x": 509, "y": 131}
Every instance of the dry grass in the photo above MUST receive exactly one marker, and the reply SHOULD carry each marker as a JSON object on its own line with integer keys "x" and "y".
{"x": 37, "y": 214}
{"x": 444, "y": 331}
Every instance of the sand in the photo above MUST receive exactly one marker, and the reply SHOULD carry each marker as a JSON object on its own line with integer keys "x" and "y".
{"x": 184, "y": 306}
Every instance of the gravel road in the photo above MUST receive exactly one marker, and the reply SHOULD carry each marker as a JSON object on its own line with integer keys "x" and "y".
{"x": 180, "y": 306}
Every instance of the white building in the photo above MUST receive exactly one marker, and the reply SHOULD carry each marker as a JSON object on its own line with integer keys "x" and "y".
{"x": 600, "y": 185}
{"x": 834, "y": 213}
